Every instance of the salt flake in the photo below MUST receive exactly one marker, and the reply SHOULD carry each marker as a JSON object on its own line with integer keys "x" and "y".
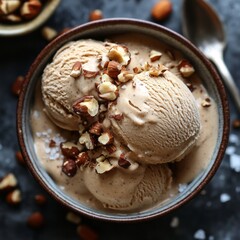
{"x": 235, "y": 162}
{"x": 224, "y": 197}
{"x": 200, "y": 234}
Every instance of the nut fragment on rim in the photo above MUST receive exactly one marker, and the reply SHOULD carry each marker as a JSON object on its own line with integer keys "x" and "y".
{"x": 86, "y": 106}
{"x": 87, "y": 140}
{"x": 185, "y": 68}
{"x": 120, "y": 54}
{"x": 69, "y": 167}
{"x": 103, "y": 167}
{"x": 155, "y": 55}
{"x": 14, "y": 197}
{"x": 8, "y": 182}
{"x": 106, "y": 138}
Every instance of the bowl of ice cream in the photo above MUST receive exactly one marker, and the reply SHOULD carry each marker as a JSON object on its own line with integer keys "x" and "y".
{"x": 122, "y": 120}
{"x": 18, "y": 17}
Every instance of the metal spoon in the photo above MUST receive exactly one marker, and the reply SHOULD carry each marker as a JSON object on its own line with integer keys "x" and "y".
{"x": 201, "y": 25}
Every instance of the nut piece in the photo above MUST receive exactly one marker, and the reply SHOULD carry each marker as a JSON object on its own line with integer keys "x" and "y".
{"x": 49, "y": 33}
{"x": 106, "y": 78}
{"x": 14, "y": 197}
{"x": 161, "y": 10}
{"x": 73, "y": 218}
{"x": 86, "y": 106}
{"x": 106, "y": 138}
{"x": 155, "y": 55}
{"x": 14, "y": 18}
{"x": 76, "y": 69}
{"x": 103, "y": 167}
{"x": 120, "y": 54}
{"x": 95, "y": 15}
{"x": 69, "y": 167}
{"x": 12, "y": 5}
{"x": 90, "y": 74}
{"x": 185, "y": 68}
{"x": 123, "y": 162}
{"x": 108, "y": 91}
{"x": 111, "y": 148}
{"x": 125, "y": 76}
{"x": 35, "y": 220}
{"x": 8, "y": 182}
{"x": 40, "y": 199}
{"x": 87, "y": 140}
{"x": 17, "y": 85}
{"x": 86, "y": 233}
{"x": 206, "y": 102}
{"x": 117, "y": 117}
{"x": 82, "y": 158}
{"x": 69, "y": 150}
{"x": 96, "y": 128}
{"x": 113, "y": 69}
{"x": 30, "y": 9}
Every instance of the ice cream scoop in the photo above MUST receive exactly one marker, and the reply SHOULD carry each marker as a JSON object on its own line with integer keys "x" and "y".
{"x": 64, "y": 81}
{"x": 161, "y": 119}
{"x": 127, "y": 190}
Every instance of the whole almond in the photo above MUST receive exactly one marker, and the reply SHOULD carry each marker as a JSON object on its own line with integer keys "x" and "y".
{"x": 161, "y": 10}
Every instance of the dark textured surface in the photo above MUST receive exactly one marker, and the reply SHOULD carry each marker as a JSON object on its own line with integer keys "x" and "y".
{"x": 217, "y": 219}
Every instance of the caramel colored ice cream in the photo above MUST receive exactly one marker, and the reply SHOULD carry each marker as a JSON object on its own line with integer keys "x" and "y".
{"x": 119, "y": 125}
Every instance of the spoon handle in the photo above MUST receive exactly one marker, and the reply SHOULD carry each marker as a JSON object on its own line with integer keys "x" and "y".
{"x": 228, "y": 79}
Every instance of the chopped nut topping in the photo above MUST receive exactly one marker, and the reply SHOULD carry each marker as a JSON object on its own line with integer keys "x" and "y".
{"x": 103, "y": 166}
{"x": 17, "y": 85}
{"x": 86, "y": 106}
{"x": 95, "y": 15}
{"x": 106, "y": 78}
{"x": 106, "y": 87}
{"x": 155, "y": 55}
{"x": 113, "y": 69}
{"x": 30, "y": 9}
{"x": 49, "y": 33}
{"x": 190, "y": 86}
{"x": 69, "y": 167}
{"x": 125, "y": 76}
{"x": 76, "y": 69}
{"x": 87, "y": 140}
{"x": 120, "y": 54}
{"x": 117, "y": 117}
{"x": 90, "y": 74}
{"x": 106, "y": 138}
{"x": 69, "y": 150}
{"x": 161, "y": 10}
{"x": 96, "y": 128}
{"x": 82, "y": 158}
{"x": 123, "y": 162}
{"x": 185, "y": 68}
{"x": 206, "y": 102}
{"x": 111, "y": 148}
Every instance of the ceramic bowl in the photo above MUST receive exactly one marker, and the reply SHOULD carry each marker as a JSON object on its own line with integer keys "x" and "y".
{"x": 101, "y": 29}
{"x": 7, "y": 30}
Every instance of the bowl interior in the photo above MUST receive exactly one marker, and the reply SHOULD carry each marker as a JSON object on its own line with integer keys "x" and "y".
{"x": 100, "y": 30}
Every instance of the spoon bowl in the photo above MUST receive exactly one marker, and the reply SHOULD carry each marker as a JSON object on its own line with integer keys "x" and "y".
{"x": 201, "y": 25}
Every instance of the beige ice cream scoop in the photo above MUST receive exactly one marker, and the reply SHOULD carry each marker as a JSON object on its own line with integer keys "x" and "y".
{"x": 121, "y": 189}
{"x": 62, "y": 85}
{"x": 161, "y": 119}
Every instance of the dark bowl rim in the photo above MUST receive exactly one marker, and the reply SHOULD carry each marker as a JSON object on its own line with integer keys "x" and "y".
{"x": 134, "y": 22}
